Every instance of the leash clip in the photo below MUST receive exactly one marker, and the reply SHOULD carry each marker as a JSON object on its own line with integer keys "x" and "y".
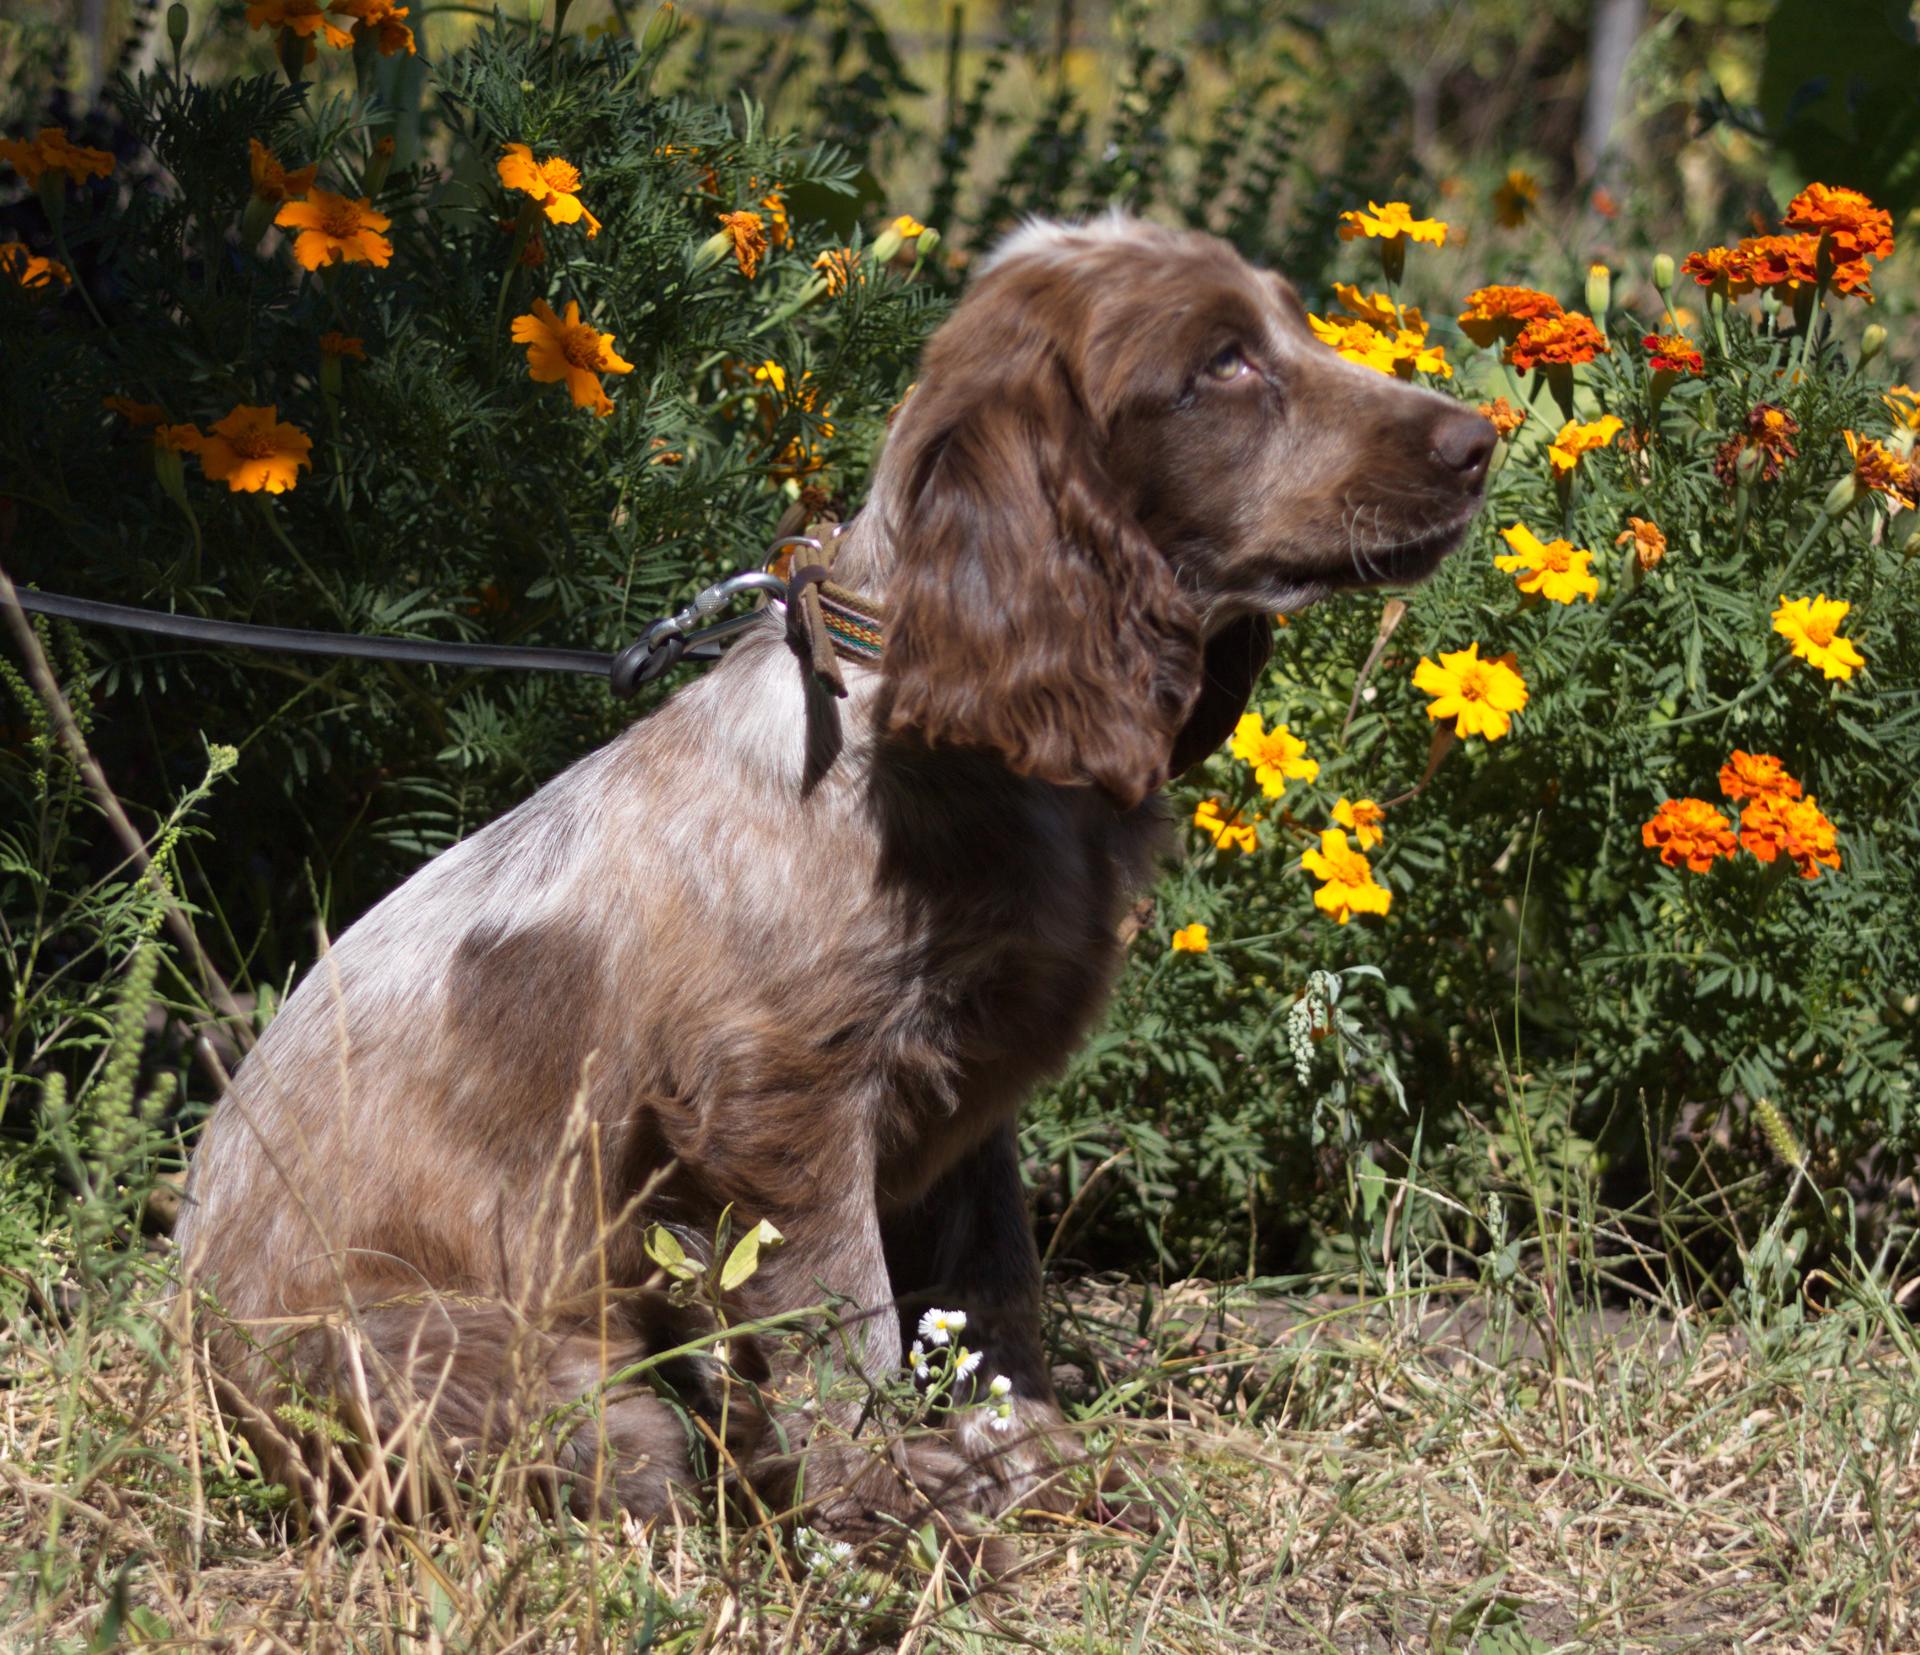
{"x": 668, "y": 641}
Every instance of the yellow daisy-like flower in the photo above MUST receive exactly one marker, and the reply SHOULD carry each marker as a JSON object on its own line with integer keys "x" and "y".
{"x": 747, "y": 234}
{"x": 1576, "y": 439}
{"x": 1277, "y": 755}
{"x": 29, "y": 269}
{"x": 335, "y": 229}
{"x": 379, "y": 21}
{"x": 1190, "y": 939}
{"x": 253, "y": 449}
{"x": 1393, "y": 222}
{"x": 271, "y": 181}
{"x": 1550, "y": 569}
{"x": 1361, "y": 818}
{"x": 1811, "y": 626}
{"x": 1903, "y": 402}
{"x": 554, "y": 185}
{"x": 1481, "y": 696}
{"x": 1877, "y": 467}
{"x": 1229, "y": 830}
{"x": 51, "y": 151}
{"x": 906, "y": 227}
{"x": 1347, "y": 883}
{"x": 569, "y": 349}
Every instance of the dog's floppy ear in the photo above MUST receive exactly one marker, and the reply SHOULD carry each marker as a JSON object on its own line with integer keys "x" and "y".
{"x": 1029, "y": 615}
{"x": 1234, "y": 659}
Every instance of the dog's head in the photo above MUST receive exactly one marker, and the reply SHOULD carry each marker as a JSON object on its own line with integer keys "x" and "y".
{"x": 1126, "y": 452}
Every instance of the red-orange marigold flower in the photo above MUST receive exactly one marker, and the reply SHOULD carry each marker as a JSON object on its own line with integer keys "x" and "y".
{"x": 1502, "y": 415}
{"x": 1877, "y": 467}
{"x": 1857, "y": 227}
{"x": 1570, "y": 338}
{"x": 1756, "y": 776}
{"x": 1673, "y": 353}
{"x": 1503, "y": 312}
{"x": 1725, "y": 269}
{"x": 1774, "y": 825}
{"x": 1788, "y": 263}
{"x": 1688, "y": 833}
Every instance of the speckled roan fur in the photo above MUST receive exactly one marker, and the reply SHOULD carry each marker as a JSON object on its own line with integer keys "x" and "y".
{"x": 806, "y": 956}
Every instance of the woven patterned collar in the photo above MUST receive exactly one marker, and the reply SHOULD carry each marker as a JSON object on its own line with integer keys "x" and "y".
{"x": 855, "y": 624}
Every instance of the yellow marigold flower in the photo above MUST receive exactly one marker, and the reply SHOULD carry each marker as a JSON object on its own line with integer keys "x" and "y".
{"x": 1399, "y": 351}
{"x": 137, "y": 414}
{"x": 1348, "y": 886}
{"x": 1576, "y": 439}
{"x": 1756, "y": 776}
{"x": 839, "y": 266}
{"x": 571, "y": 350}
{"x": 1393, "y": 222}
{"x": 1903, "y": 402}
{"x": 1877, "y": 467}
{"x": 1516, "y": 197}
{"x": 271, "y": 181}
{"x": 553, "y": 183}
{"x": 1481, "y": 696}
{"x": 1688, "y": 833}
{"x": 29, "y": 269}
{"x": 1361, "y": 818}
{"x": 1550, "y": 569}
{"x": 1811, "y": 626}
{"x": 1277, "y": 755}
{"x": 1190, "y": 939}
{"x": 335, "y": 229}
{"x": 748, "y": 235}
{"x": 302, "y": 17}
{"x": 906, "y": 227}
{"x": 379, "y": 21}
{"x": 252, "y": 449}
{"x": 181, "y": 439}
{"x": 1649, "y": 544}
{"x": 52, "y": 151}
{"x": 1503, "y": 416}
{"x": 1775, "y": 825}
{"x": 1229, "y": 830}
{"x": 1378, "y": 309}
{"x": 344, "y": 344}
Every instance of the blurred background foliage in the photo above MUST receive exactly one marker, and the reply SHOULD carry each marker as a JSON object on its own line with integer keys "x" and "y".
{"x": 1545, "y": 1011}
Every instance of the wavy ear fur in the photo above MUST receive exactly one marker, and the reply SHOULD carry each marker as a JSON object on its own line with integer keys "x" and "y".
{"x": 1028, "y": 614}
{"x": 1235, "y": 656}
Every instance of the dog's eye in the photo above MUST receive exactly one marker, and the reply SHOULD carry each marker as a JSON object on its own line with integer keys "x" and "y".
{"x": 1229, "y": 364}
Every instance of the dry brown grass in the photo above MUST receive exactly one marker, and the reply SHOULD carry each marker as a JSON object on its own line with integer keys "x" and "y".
{"x": 1432, "y": 1470}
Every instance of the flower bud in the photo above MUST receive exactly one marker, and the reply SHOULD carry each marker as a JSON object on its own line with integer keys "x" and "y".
{"x": 1911, "y": 549}
{"x": 925, "y": 242}
{"x": 1599, "y": 292}
{"x": 177, "y": 26}
{"x": 379, "y": 164}
{"x": 886, "y": 244}
{"x": 293, "y": 56}
{"x": 330, "y": 376}
{"x": 713, "y": 250}
{"x": 171, "y": 472}
{"x": 254, "y": 220}
{"x": 1841, "y": 496}
{"x": 536, "y": 11}
{"x": 1662, "y": 273}
{"x": 661, "y": 28}
{"x": 1746, "y": 466}
{"x": 1872, "y": 342}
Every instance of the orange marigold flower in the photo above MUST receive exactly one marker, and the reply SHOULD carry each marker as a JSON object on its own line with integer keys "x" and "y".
{"x": 1503, "y": 312}
{"x": 29, "y": 269}
{"x": 838, "y": 266}
{"x": 1278, "y": 756}
{"x": 1786, "y": 264}
{"x": 379, "y": 21}
{"x": 571, "y": 350}
{"x": 302, "y": 17}
{"x": 51, "y": 151}
{"x": 180, "y": 439}
{"x": 1190, "y": 939}
{"x": 1877, "y": 467}
{"x": 1857, "y": 228}
{"x": 272, "y": 182}
{"x": 748, "y": 235}
{"x": 1393, "y": 222}
{"x": 1229, "y": 830}
{"x": 1504, "y": 417}
{"x": 137, "y": 414}
{"x": 1649, "y": 544}
{"x": 1481, "y": 696}
{"x": 1549, "y": 569}
{"x": 344, "y": 344}
{"x": 1811, "y": 626}
{"x": 1903, "y": 402}
{"x": 1673, "y": 353}
{"x": 1776, "y": 824}
{"x": 253, "y": 449}
{"x": 778, "y": 231}
{"x": 1569, "y": 338}
{"x": 1347, "y": 883}
{"x": 553, "y": 184}
{"x": 1756, "y": 776}
{"x": 1361, "y": 818}
{"x": 336, "y": 229}
{"x": 1688, "y": 833}
{"x": 1516, "y": 197}
{"x": 1724, "y": 269}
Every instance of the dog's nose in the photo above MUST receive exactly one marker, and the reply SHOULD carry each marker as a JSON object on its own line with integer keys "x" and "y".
{"x": 1463, "y": 443}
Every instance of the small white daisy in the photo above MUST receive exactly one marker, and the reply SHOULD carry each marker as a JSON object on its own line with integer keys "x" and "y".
{"x": 1000, "y": 1385}
{"x": 937, "y": 1327}
{"x": 917, "y": 1361}
{"x": 963, "y": 1368}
